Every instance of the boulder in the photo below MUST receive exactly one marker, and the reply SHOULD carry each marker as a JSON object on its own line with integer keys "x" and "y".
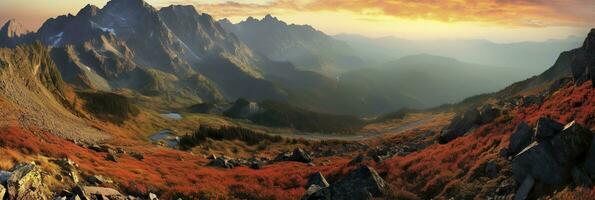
{"x": 363, "y": 183}
{"x": 91, "y": 193}
{"x": 26, "y": 183}
{"x": 546, "y": 128}
{"x": 520, "y": 138}
{"x": 571, "y": 144}
{"x": 112, "y": 157}
{"x": 538, "y": 161}
{"x": 317, "y": 179}
{"x": 222, "y": 162}
{"x": 488, "y": 114}
{"x": 137, "y": 156}
{"x": 525, "y": 188}
{"x": 98, "y": 180}
{"x": 69, "y": 168}
{"x": 315, "y": 192}
{"x": 460, "y": 125}
{"x": 590, "y": 160}
{"x": 298, "y": 155}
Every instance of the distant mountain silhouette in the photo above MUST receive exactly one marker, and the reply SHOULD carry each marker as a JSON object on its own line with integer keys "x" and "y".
{"x": 302, "y": 45}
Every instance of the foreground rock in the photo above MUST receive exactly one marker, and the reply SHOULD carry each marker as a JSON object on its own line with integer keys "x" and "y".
{"x": 460, "y": 125}
{"x": 520, "y": 138}
{"x": 364, "y": 183}
{"x": 551, "y": 159}
{"x": 90, "y": 192}
{"x": 26, "y": 183}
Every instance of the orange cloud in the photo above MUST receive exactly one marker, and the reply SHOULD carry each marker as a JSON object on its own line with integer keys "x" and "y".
{"x": 500, "y": 12}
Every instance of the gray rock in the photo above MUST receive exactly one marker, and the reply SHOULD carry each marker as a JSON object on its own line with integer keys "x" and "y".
{"x": 222, "y": 162}
{"x": 91, "y": 192}
{"x": 137, "y": 156}
{"x": 26, "y": 183}
{"x": 315, "y": 192}
{"x": 546, "y": 128}
{"x": 317, "y": 179}
{"x": 363, "y": 183}
{"x": 538, "y": 161}
{"x": 112, "y": 157}
{"x": 98, "y": 180}
{"x": 526, "y": 187}
{"x": 571, "y": 143}
{"x": 298, "y": 155}
{"x": 69, "y": 168}
{"x": 460, "y": 125}
{"x": 520, "y": 138}
{"x": 488, "y": 114}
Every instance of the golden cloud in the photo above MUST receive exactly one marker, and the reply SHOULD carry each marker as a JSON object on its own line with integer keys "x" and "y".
{"x": 500, "y": 12}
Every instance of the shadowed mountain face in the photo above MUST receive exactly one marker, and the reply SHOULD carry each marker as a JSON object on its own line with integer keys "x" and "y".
{"x": 302, "y": 45}
{"x": 130, "y": 44}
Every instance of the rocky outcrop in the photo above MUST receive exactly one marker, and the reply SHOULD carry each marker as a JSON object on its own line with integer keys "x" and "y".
{"x": 552, "y": 157}
{"x": 471, "y": 118}
{"x": 520, "y": 138}
{"x": 317, "y": 179}
{"x": 92, "y": 193}
{"x": 363, "y": 183}
{"x": 26, "y": 183}
{"x": 546, "y": 128}
{"x": 298, "y": 155}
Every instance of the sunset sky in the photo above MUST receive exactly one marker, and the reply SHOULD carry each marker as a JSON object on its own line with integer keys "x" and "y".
{"x": 496, "y": 20}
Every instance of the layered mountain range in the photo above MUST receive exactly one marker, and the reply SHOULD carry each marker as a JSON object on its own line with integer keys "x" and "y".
{"x": 302, "y": 45}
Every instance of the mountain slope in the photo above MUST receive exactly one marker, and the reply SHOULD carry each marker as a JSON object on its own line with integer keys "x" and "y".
{"x": 513, "y": 55}
{"x": 432, "y": 80}
{"x": 130, "y": 44}
{"x": 302, "y": 45}
{"x": 37, "y": 97}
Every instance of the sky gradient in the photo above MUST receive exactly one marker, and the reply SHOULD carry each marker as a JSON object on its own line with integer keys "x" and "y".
{"x": 496, "y": 20}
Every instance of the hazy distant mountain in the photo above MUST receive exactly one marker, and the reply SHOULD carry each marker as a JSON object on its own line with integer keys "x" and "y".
{"x": 527, "y": 57}
{"x": 432, "y": 80}
{"x": 302, "y": 45}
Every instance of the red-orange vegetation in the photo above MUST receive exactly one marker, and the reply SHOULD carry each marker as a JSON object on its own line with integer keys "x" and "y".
{"x": 436, "y": 169}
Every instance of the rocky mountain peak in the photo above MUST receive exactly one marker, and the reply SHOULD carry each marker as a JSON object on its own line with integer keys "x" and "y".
{"x": 187, "y": 9}
{"x": 589, "y": 43}
{"x": 127, "y": 5}
{"x": 269, "y": 17}
{"x": 88, "y": 11}
{"x": 13, "y": 29}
